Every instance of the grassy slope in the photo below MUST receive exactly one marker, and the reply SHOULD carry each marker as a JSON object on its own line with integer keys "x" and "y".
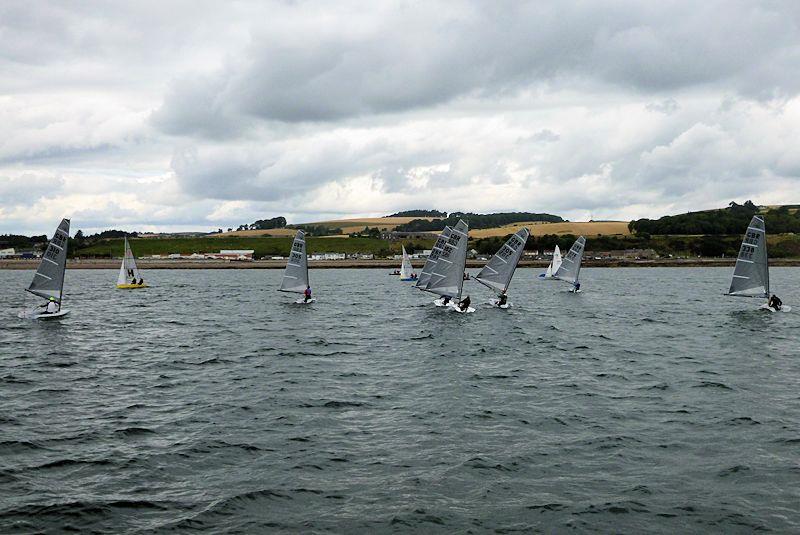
{"x": 591, "y": 228}
{"x": 262, "y": 246}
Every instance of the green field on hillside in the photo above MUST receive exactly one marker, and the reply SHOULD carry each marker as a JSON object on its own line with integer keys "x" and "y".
{"x": 262, "y": 246}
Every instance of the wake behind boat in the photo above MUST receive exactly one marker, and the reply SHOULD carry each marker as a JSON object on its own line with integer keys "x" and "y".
{"x": 295, "y": 276}
{"x": 751, "y": 274}
{"x": 497, "y": 273}
{"x": 570, "y": 268}
{"x": 129, "y": 278}
{"x": 48, "y": 281}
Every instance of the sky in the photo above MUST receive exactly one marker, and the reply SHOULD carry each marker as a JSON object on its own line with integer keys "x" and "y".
{"x": 198, "y": 115}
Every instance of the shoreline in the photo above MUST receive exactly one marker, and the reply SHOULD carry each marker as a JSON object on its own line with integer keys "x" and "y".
{"x": 29, "y": 264}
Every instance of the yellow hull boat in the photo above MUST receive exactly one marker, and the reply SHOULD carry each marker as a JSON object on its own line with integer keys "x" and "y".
{"x": 130, "y": 286}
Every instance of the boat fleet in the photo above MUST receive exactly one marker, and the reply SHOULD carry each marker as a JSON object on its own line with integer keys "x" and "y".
{"x": 443, "y": 274}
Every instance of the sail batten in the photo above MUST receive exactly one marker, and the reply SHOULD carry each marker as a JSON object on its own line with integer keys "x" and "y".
{"x": 497, "y": 273}
{"x": 52, "y": 266}
{"x": 570, "y": 267}
{"x": 751, "y": 274}
{"x": 447, "y": 275}
{"x": 295, "y": 276}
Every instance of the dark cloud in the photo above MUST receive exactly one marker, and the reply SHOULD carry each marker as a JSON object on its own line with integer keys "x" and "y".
{"x": 403, "y": 59}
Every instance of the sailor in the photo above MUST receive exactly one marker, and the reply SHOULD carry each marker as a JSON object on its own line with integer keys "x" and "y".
{"x": 445, "y": 300}
{"x": 51, "y": 307}
{"x": 464, "y": 304}
{"x": 503, "y": 299}
{"x": 577, "y": 286}
{"x": 775, "y": 302}
{"x": 141, "y": 281}
{"x": 307, "y": 294}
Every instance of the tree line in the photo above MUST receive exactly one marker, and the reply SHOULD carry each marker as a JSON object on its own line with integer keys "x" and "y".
{"x": 476, "y": 221}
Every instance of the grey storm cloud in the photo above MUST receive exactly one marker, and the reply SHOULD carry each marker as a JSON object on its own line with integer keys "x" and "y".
{"x": 28, "y": 188}
{"x": 297, "y": 70}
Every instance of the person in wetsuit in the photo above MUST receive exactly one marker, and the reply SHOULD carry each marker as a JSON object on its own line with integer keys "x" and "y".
{"x": 307, "y": 294}
{"x": 503, "y": 299}
{"x": 464, "y": 304}
{"x": 775, "y": 302}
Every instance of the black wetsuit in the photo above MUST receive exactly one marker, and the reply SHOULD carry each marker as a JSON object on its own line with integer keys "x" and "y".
{"x": 775, "y": 302}
{"x": 463, "y": 305}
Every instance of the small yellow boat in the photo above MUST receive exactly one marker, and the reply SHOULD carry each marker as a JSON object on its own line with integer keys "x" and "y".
{"x": 128, "y": 272}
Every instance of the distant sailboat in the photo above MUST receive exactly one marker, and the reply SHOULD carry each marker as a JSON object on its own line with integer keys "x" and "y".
{"x": 406, "y": 270}
{"x": 555, "y": 263}
{"x": 497, "y": 273}
{"x": 129, "y": 274}
{"x": 295, "y": 276}
{"x": 48, "y": 282}
{"x": 570, "y": 268}
{"x": 425, "y": 275}
{"x": 447, "y": 275}
{"x": 751, "y": 274}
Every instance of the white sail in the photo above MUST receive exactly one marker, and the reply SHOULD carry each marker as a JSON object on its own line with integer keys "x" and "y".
{"x": 570, "y": 267}
{"x": 128, "y": 272}
{"x": 555, "y": 263}
{"x": 295, "y": 276}
{"x": 751, "y": 274}
{"x": 497, "y": 273}
{"x": 49, "y": 278}
{"x": 447, "y": 275}
{"x": 425, "y": 275}
{"x": 405, "y": 266}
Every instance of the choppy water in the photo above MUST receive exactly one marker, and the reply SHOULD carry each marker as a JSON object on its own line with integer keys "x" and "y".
{"x": 207, "y": 403}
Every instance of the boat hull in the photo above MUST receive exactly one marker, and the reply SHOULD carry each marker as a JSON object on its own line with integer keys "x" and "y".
{"x": 131, "y": 286}
{"x": 54, "y": 316}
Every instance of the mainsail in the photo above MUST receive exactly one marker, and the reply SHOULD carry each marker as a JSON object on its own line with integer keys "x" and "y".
{"x": 295, "y": 277}
{"x": 555, "y": 263}
{"x": 497, "y": 273}
{"x": 425, "y": 274}
{"x": 571, "y": 264}
{"x": 128, "y": 271}
{"x": 49, "y": 278}
{"x": 751, "y": 274}
{"x": 447, "y": 275}
{"x": 405, "y": 267}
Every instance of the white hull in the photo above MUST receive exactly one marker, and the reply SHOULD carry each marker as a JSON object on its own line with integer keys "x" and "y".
{"x": 302, "y": 301}
{"x": 494, "y": 303}
{"x": 469, "y": 310}
{"x": 784, "y": 308}
{"x": 36, "y": 315}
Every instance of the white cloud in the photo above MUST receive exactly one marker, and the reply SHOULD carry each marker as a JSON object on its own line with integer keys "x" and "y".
{"x": 205, "y": 115}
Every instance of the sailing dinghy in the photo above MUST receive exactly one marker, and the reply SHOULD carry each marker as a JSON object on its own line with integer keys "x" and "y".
{"x": 48, "y": 282}
{"x": 425, "y": 275}
{"x": 497, "y": 273}
{"x": 447, "y": 274}
{"x": 555, "y": 263}
{"x": 751, "y": 274}
{"x": 406, "y": 270}
{"x": 570, "y": 267}
{"x": 295, "y": 276}
{"x": 129, "y": 274}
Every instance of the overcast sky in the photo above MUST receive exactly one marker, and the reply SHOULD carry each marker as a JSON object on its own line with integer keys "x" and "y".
{"x": 169, "y": 115}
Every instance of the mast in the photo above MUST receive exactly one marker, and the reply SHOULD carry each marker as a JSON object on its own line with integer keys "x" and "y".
{"x": 63, "y": 269}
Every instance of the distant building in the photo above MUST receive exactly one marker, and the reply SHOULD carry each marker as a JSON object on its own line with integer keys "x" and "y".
{"x": 624, "y": 254}
{"x": 328, "y": 256}
{"x": 7, "y": 253}
{"x": 233, "y": 254}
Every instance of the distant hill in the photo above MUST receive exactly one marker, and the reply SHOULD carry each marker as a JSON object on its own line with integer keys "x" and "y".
{"x": 732, "y": 220}
{"x": 419, "y": 213}
{"x": 477, "y": 221}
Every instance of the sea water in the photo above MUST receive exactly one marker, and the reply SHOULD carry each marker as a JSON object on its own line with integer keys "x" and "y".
{"x": 210, "y": 402}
